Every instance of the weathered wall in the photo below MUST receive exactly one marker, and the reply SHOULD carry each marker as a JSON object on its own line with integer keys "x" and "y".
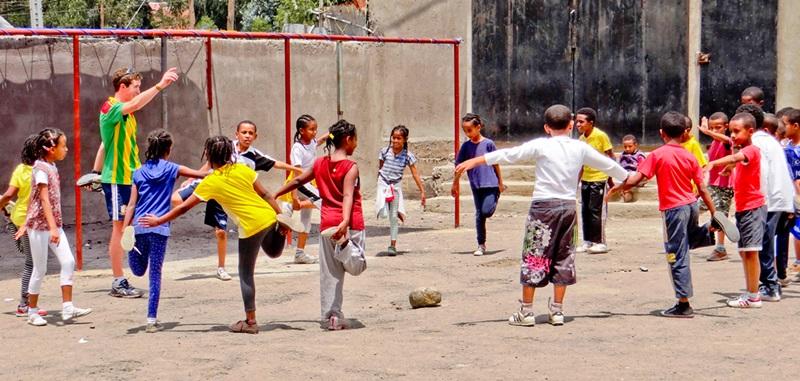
{"x": 384, "y": 85}
{"x": 788, "y": 54}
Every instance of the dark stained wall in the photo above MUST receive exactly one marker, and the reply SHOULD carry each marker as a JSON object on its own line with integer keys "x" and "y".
{"x": 630, "y": 62}
{"x": 741, "y": 37}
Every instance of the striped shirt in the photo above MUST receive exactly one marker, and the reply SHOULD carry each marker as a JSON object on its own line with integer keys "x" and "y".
{"x": 118, "y": 133}
{"x": 393, "y": 165}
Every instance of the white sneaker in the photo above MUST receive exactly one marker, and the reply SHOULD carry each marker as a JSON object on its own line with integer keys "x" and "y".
{"x": 36, "y": 320}
{"x": 222, "y": 274}
{"x": 301, "y": 258}
{"x": 480, "y": 252}
{"x": 128, "y": 240}
{"x": 555, "y": 317}
{"x": 583, "y": 247}
{"x": 74, "y": 312}
{"x": 288, "y": 222}
{"x": 526, "y": 319}
{"x": 598, "y": 248}
{"x": 743, "y": 301}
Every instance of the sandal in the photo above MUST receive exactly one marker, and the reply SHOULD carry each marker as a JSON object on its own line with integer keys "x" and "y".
{"x": 242, "y": 326}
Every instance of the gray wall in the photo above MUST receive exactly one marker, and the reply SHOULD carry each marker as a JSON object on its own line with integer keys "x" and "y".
{"x": 384, "y": 85}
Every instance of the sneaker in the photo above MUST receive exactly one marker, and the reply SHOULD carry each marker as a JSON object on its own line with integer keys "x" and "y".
{"x": 128, "y": 240}
{"x": 90, "y": 180}
{"x": 36, "y": 320}
{"x": 522, "y": 318}
{"x": 288, "y": 222}
{"x": 480, "y": 252}
{"x": 392, "y": 251}
{"x": 721, "y": 222}
{"x": 124, "y": 290}
{"x": 329, "y": 232}
{"x": 74, "y": 312}
{"x": 556, "y": 317}
{"x": 717, "y": 255}
{"x": 583, "y": 247}
{"x": 770, "y": 295}
{"x": 679, "y": 311}
{"x": 743, "y": 301}
{"x": 153, "y": 327}
{"x": 335, "y": 324}
{"x": 301, "y": 258}
{"x": 784, "y": 281}
{"x": 598, "y": 248}
{"x": 22, "y": 311}
{"x": 222, "y": 274}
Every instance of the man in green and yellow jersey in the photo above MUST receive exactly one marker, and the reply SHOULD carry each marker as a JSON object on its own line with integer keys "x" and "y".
{"x": 593, "y": 184}
{"x": 120, "y": 158}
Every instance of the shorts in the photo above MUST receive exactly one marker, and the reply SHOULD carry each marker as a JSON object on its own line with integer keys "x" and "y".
{"x": 721, "y": 197}
{"x": 751, "y": 224}
{"x": 117, "y": 198}
{"x": 215, "y": 215}
{"x": 548, "y": 249}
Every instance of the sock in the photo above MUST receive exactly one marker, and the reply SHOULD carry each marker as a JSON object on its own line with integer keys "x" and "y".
{"x": 33, "y": 311}
{"x": 299, "y": 252}
{"x": 151, "y": 320}
{"x": 753, "y": 295}
{"x": 556, "y": 307}
{"x": 525, "y": 307}
{"x": 66, "y": 306}
{"x": 720, "y": 248}
{"x": 117, "y": 280}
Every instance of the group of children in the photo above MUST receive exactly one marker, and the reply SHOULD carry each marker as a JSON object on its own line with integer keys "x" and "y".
{"x": 748, "y": 166}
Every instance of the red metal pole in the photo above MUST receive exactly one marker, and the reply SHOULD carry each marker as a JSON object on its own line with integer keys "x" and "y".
{"x": 457, "y": 126}
{"x": 287, "y": 102}
{"x": 76, "y": 144}
{"x": 208, "y": 72}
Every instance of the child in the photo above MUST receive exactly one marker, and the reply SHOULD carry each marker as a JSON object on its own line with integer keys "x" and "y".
{"x": 776, "y": 186}
{"x": 44, "y": 226}
{"x": 691, "y": 144}
{"x": 306, "y": 198}
{"x": 486, "y": 182}
{"x": 339, "y": 187}
{"x": 678, "y": 174}
{"x": 593, "y": 184}
{"x": 236, "y": 188}
{"x": 751, "y": 208}
{"x": 791, "y": 119}
{"x": 719, "y": 185}
{"x": 548, "y": 253}
{"x": 150, "y": 194}
{"x": 629, "y": 160}
{"x": 20, "y": 187}
{"x": 389, "y": 194}
{"x": 215, "y": 216}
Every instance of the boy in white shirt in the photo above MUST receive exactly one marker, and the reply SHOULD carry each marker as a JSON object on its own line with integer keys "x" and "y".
{"x": 548, "y": 251}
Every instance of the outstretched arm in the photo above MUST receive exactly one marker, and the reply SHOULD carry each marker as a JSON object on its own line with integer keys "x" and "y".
{"x": 264, "y": 193}
{"x": 730, "y": 159}
{"x": 305, "y": 177}
{"x": 192, "y": 173}
{"x": 141, "y": 100}
{"x": 714, "y": 135}
{"x": 151, "y": 220}
{"x": 11, "y": 192}
{"x": 287, "y": 167}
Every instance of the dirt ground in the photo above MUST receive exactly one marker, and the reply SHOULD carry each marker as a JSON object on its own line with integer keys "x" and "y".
{"x": 612, "y": 330}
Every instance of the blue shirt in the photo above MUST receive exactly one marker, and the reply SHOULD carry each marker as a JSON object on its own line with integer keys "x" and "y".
{"x": 154, "y": 181}
{"x": 793, "y": 159}
{"x": 482, "y": 176}
{"x": 393, "y": 165}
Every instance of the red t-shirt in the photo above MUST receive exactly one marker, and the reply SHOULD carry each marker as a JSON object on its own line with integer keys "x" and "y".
{"x": 330, "y": 183}
{"x": 674, "y": 168}
{"x": 746, "y": 179}
{"x": 715, "y": 177}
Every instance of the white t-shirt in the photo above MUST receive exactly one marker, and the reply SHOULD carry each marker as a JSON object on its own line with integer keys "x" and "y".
{"x": 558, "y": 162}
{"x": 776, "y": 181}
{"x": 304, "y": 154}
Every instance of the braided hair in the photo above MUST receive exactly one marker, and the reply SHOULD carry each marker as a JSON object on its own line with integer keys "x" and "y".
{"x": 302, "y": 122}
{"x": 403, "y": 131}
{"x": 475, "y": 119}
{"x": 218, "y": 151}
{"x": 28, "y": 154}
{"x": 47, "y": 138}
{"x": 159, "y": 143}
{"x": 337, "y": 134}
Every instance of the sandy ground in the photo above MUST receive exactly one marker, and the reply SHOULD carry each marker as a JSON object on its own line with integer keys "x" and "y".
{"x": 612, "y": 329}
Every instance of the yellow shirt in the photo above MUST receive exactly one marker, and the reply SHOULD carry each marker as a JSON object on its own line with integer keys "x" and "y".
{"x": 599, "y": 141}
{"x": 232, "y": 187}
{"x": 21, "y": 179}
{"x": 693, "y": 146}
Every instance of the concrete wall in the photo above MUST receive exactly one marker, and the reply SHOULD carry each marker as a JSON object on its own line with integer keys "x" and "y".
{"x": 384, "y": 85}
{"x": 788, "y": 54}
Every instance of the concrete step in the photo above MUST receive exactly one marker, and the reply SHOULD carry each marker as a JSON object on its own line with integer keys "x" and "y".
{"x": 521, "y": 205}
{"x": 515, "y": 188}
{"x": 510, "y": 173}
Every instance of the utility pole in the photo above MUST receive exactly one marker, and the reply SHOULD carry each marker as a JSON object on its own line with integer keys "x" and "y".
{"x": 191, "y": 14}
{"x": 231, "y": 13}
{"x": 37, "y": 21}
{"x": 102, "y": 14}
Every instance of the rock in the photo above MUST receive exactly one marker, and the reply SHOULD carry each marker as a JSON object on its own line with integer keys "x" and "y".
{"x": 424, "y": 297}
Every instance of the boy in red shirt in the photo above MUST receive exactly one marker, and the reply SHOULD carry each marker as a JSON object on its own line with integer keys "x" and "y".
{"x": 676, "y": 170}
{"x": 751, "y": 207}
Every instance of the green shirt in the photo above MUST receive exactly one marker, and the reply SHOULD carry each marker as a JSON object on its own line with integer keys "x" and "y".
{"x": 118, "y": 133}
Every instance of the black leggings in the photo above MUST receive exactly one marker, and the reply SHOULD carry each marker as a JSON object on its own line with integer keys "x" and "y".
{"x": 269, "y": 239}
